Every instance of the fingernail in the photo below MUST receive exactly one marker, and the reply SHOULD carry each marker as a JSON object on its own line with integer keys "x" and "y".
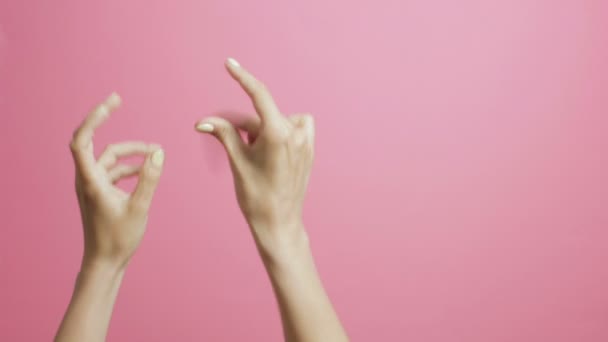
{"x": 113, "y": 100}
{"x": 158, "y": 158}
{"x": 233, "y": 62}
{"x": 205, "y": 127}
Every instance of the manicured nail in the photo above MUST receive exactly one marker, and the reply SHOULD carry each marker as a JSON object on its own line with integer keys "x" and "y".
{"x": 113, "y": 100}
{"x": 158, "y": 158}
{"x": 205, "y": 127}
{"x": 233, "y": 62}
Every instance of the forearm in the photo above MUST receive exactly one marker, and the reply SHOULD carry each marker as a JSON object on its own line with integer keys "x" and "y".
{"x": 306, "y": 311}
{"x": 88, "y": 315}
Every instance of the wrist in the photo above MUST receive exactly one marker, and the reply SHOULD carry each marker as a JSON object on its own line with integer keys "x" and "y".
{"x": 281, "y": 244}
{"x": 99, "y": 265}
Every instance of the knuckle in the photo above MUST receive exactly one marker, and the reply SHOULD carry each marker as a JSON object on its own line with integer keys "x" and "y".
{"x": 277, "y": 137}
{"x": 150, "y": 176}
{"x": 221, "y": 129}
{"x": 295, "y": 120}
{"x": 308, "y": 119}
{"x": 75, "y": 146}
{"x": 299, "y": 140}
{"x": 260, "y": 86}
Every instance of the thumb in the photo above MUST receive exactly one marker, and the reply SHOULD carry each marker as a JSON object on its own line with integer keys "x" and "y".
{"x": 148, "y": 179}
{"x": 226, "y": 133}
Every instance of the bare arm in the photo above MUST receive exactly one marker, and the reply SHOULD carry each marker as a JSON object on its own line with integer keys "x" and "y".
{"x": 113, "y": 223}
{"x": 306, "y": 311}
{"x": 271, "y": 172}
{"x": 88, "y": 315}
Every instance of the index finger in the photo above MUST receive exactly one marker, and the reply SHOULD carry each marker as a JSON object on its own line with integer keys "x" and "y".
{"x": 82, "y": 142}
{"x": 260, "y": 96}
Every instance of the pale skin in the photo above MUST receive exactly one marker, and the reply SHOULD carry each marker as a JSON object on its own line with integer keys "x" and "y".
{"x": 270, "y": 171}
{"x": 113, "y": 223}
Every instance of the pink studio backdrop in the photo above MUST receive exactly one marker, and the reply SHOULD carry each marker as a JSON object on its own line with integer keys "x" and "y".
{"x": 459, "y": 192}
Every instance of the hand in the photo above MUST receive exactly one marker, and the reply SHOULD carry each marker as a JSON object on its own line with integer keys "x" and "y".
{"x": 114, "y": 221}
{"x": 272, "y": 168}
{"x": 271, "y": 172}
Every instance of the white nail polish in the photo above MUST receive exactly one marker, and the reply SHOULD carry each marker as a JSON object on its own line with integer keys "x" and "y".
{"x": 205, "y": 127}
{"x": 113, "y": 100}
{"x": 158, "y": 158}
{"x": 233, "y": 62}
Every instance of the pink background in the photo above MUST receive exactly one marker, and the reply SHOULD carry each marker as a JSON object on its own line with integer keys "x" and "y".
{"x": 459, "y": 191}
